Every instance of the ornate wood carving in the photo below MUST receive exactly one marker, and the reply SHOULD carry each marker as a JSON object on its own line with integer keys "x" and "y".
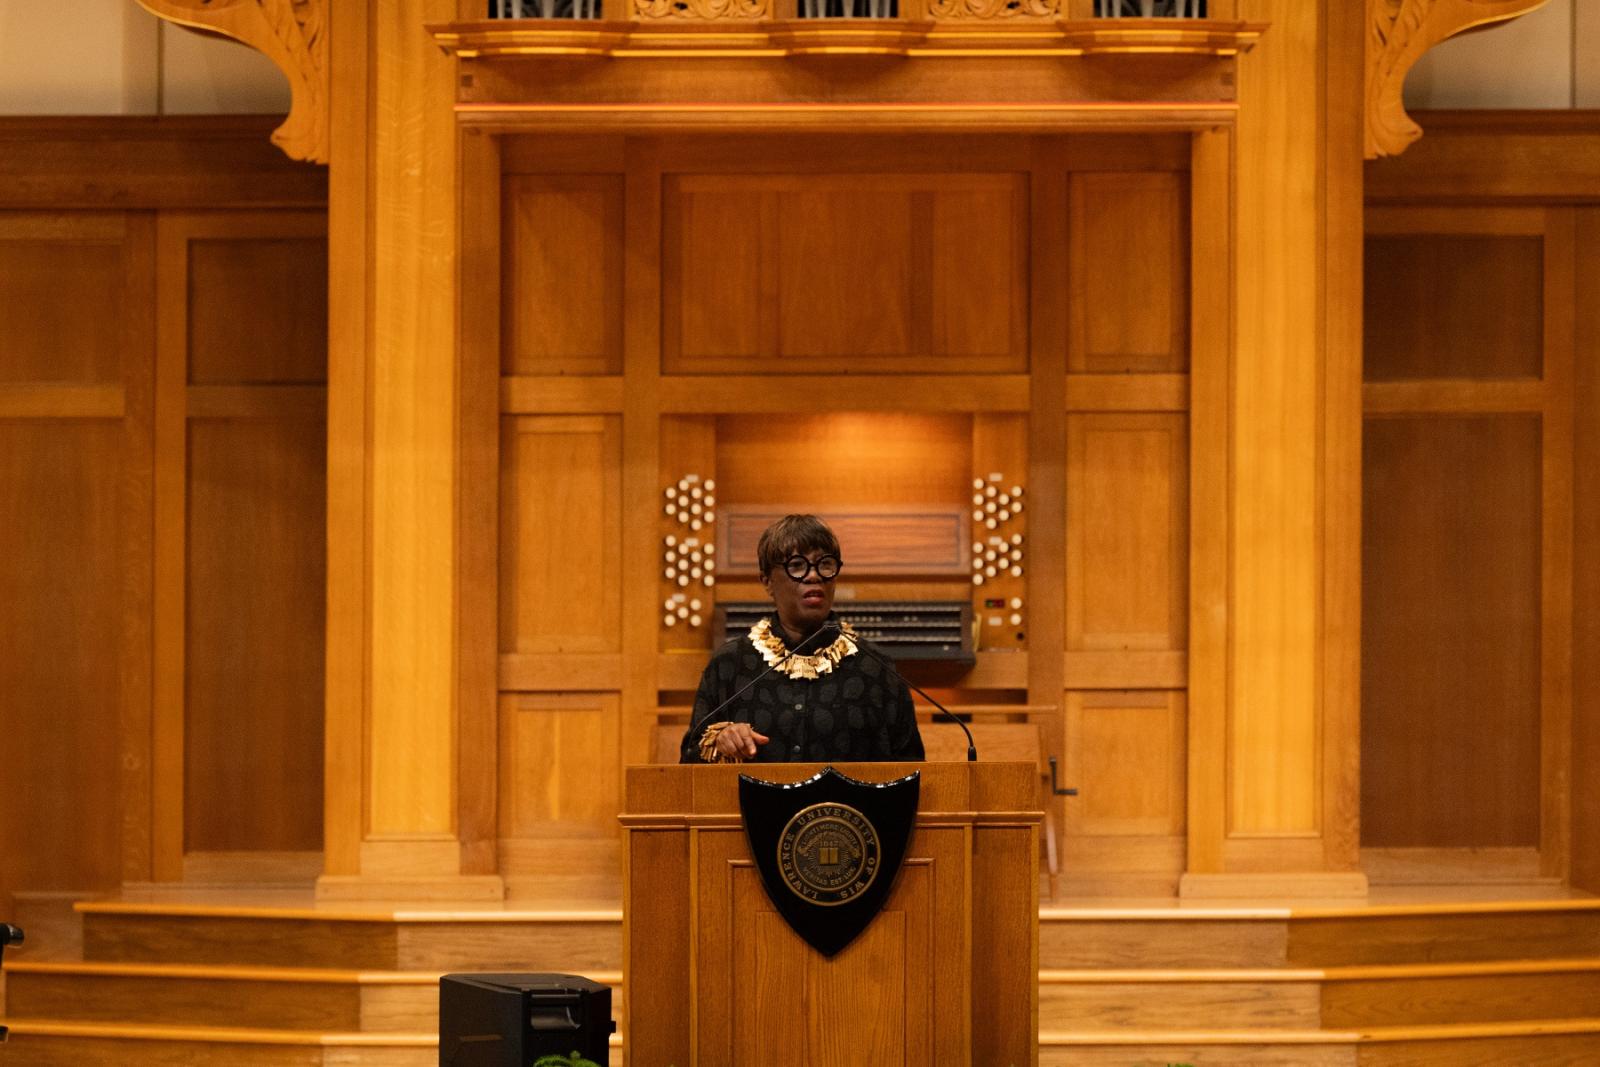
{"x": 703, "y": 9}
{"x": 1398, "y": 33}
{"x": 291, "y": 33}
{"x": 994, "y": 9}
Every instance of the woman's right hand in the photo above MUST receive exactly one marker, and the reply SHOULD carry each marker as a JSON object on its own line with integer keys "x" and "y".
{"x": 739, "y": 740}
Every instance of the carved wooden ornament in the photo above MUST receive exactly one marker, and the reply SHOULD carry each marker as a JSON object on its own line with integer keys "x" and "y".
{"x": 291, "y": 33}
{"x": 1398, "y": 33}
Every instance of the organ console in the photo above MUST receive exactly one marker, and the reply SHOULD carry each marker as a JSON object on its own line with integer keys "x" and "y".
{"x": 906, "y": 630}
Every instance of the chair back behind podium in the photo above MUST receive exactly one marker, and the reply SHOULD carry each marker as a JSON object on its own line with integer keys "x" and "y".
{"x": 947, "y": 973}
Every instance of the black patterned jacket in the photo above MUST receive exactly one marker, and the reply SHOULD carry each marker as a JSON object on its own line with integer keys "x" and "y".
{"x": 860, "y": 711}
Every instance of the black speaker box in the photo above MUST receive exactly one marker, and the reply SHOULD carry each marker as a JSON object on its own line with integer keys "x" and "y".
{"x": 510, "y": 1020}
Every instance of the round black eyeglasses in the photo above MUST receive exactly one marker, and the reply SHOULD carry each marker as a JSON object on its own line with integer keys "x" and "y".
{"x": 799, "y": 568}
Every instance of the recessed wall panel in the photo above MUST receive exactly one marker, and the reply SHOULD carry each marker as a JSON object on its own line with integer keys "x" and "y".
{"x": 258, "y": 310}
{"x": 562, "y": 292}
{"x": 1454, "y": 306}
{"x": 561, "y": 534}
{"x": 1127, "y": 532}
{"x": 539, "y": 735}
{"x": 255, "y": 559}
{"x": 1130, "y": 272}
{"x": 1451, "y": 631}
{"x": 62, "y": 587}
{"x": 61, "y": 309}
{"x": 831, "y": 273}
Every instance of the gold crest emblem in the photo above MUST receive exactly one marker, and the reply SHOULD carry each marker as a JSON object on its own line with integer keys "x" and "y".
{"x": 828, "y": 854}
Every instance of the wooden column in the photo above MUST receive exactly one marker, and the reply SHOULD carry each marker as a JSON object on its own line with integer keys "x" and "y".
{"x": 1274, "y": 776}
{"x": 394, "y": 794}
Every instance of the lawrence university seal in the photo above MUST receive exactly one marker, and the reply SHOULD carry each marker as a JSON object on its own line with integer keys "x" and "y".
{"x": 828, "y": 854}
{"x": 828, "y": 849}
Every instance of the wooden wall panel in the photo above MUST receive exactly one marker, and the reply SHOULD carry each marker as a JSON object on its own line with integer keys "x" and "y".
{"x": 1453, "y": 306}
{"x": 255, "y": 565}
{"x": 848, "y": 458}
{"x": 1470, "y": 324}
{"x": 848, "y": 277}
{"x": 76, "y": 332}
{"x": 980, "y": 248}
{"x": 258, "y": 310}
{"x": 1451, "y": 632}
{"x": 61, "y": 487}
{"x": 101, "y": 247}
{"x": 718, "y": 234}
{"x": 563, "y": 274}
{"x": 61, "y": 299}
{"x": 239, "y": 540}
{"x": 1127, "y": 532}
{"x": 561, "y": 534}
{"x": 1130, "y": 268}
{"x": 876, "y": 272}
{"x": 1586, "y": 559}
{"x": 1126, "y": 753}
{"x": 559, "y": 765}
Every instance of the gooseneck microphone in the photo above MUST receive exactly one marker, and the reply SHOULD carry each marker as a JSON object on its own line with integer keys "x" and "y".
{"x": 824, "y": 635}
{"x": 972, "y": 749}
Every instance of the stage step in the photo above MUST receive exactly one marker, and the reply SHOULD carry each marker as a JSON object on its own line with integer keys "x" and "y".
{"x": 1199, "y": 1048}
{"x": 1097, "y": 1001}
{"x": 1502, "y": 983}
{"x": 1457, "y": 933}
{"x": 1336, "y": 998}
{"x": 568, "y": 942}
{"x": 211, "y": 983}
{"x": 1213, "y": 937}
{"x": 1429, "y": 994}
{"x": 1554, "y": 1043}
{"x": 238, "y": 997}
{"x": 1162, "y": 938}
{"x": 69, "y": 1043}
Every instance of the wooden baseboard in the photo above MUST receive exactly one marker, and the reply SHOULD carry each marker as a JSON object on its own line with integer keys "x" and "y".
{"x": 1453, "y": 866}
{"x": 462, "y": 888}
{"x": 1311, "y": 885}
{"x": 252, "y": 868}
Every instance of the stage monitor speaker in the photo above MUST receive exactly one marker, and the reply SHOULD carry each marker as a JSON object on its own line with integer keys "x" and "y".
{"x": 510, "y": 1020}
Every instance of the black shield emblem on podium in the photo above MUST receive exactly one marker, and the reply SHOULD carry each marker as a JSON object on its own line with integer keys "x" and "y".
{"x": 828, "y": 849}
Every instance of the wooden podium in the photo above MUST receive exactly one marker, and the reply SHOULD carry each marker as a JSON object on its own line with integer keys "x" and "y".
{"x": 947, "y": 973}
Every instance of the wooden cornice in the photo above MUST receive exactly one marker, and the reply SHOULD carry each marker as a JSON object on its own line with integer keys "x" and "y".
{"x": 880, "y": 75}
{"x": 1398, "y": 33}
{"x": 291, "y": 33}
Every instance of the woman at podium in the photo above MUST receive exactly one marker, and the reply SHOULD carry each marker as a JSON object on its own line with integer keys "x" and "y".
{"x": 802, "y": 685}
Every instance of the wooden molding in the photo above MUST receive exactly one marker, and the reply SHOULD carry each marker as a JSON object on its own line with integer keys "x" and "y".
{"x": 1534, "y": 157}
{"x": 961, "y": 34}
{"x": 291, "y": 33}
{"x": 121, "y": 162}
{"x": 1398, "y": 33}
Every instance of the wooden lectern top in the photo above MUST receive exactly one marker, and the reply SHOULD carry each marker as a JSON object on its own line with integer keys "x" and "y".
{"x": 657, "y": 795}
{"x": 946, "y": 973}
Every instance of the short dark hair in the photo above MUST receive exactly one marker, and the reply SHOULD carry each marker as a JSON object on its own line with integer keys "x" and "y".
{"x": 793, "y": 535}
